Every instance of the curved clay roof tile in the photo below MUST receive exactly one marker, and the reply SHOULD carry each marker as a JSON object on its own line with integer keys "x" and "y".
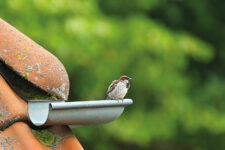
{"x": 32, "y": 61}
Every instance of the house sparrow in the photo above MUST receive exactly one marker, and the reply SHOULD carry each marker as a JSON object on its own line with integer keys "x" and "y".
{"x": 118, "y": 88}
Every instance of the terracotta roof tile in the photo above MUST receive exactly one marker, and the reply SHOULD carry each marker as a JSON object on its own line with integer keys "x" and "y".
{"x": 19, "y": 136}
{"x": 32, "y": 61}
{"x": 12, "y": 107}
{"x": 42, "y": 69}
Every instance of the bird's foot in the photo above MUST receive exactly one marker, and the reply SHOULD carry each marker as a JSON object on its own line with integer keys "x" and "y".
{"x": 120, "y": 99}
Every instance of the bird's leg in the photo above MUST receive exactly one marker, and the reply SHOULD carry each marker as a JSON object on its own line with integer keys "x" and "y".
{"x": 118, "y": 99}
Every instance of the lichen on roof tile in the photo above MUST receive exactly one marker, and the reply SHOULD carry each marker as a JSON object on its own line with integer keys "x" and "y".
{"x": 4, "y": 113}
{"x": 7, "y": 143}
{"x": 32, "y": 62}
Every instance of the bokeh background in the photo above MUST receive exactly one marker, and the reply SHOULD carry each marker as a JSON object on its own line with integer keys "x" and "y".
{"x": 173, "y": 49}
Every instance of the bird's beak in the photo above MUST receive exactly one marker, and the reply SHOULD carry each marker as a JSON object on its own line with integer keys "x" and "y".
{"x": 129, "y": 78}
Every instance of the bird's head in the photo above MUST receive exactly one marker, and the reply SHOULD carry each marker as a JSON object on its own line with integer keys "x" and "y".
{"x": 124, "y": 77}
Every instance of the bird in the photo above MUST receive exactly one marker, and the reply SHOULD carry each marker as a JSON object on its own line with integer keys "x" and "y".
{"x": 118, "y": 88}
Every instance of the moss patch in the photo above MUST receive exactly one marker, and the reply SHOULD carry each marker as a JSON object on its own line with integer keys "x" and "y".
{"x": 44, "y": 136}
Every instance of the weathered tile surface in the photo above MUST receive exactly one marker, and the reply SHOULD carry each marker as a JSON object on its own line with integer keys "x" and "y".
{"x": 32, "y": 61}
{"x": 41, "y": 68}
{"x": 12, "y": 107}
{"x": 19, "y": 136}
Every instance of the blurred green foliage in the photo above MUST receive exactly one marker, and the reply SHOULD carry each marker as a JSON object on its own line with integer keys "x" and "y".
{"x": 173, "y": 49}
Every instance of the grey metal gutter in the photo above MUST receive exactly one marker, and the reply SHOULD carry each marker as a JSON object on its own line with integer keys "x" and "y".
{"x": 75, "y": 113}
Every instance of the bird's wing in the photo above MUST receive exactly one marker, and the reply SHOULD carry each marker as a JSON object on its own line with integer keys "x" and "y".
{"x": 112, "y": 86}
{"x": 128, "y": 85}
